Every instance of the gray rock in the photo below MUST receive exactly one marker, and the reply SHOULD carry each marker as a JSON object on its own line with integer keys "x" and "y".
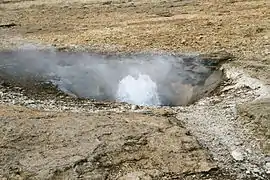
{"x": 237, "y": 155}
{"x": 256, "y": 170}
{"x": 134, "y": 107}
{"x": 267, "y": 166}
{"x": 267, "y": 159}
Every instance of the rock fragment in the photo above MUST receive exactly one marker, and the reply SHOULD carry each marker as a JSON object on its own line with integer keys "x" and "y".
{"x": 237, "y": 155}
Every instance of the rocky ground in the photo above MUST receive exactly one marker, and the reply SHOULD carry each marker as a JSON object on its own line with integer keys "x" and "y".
{"x": 48, "y": 135}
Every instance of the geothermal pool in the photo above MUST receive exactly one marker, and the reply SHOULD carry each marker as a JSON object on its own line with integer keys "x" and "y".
{"x": 153, "y": 79}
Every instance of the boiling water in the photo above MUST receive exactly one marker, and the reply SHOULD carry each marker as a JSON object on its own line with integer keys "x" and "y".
{"x": 140, "y": 90}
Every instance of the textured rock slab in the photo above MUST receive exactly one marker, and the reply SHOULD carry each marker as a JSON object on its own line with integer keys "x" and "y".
{"x": 50, "y": 145}
{"x": 256, "y": 117}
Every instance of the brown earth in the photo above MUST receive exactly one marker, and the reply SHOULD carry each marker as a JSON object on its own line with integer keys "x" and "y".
{"x": 256, "y": 115}
{"x": 51, "y": 145}
{"x": 239, "y": 27}
{"x": 67, "y": 145}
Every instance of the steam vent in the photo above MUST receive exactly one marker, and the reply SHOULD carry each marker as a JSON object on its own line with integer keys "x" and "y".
{"x": 143, "y": 79}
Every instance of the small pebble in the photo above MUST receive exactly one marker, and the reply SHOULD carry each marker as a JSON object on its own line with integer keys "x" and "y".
{"x": 249, "y": 151}
{"x": 267, "y": 166}
{"x": 256, "y": 170}
{"x": 237, "y": 155}
{"x": 134, "y": 107}
{"x": 267, "y": 159}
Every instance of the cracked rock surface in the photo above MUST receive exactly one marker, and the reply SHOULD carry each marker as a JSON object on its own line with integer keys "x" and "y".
{"x": 54, "y": 145}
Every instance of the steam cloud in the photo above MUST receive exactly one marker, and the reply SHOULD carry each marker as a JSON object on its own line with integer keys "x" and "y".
{"x": 141, "y": 90}
{"x": 143, "y": 79}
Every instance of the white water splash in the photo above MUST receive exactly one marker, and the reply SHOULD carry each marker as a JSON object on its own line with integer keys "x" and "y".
{"x": 140, "y": 91}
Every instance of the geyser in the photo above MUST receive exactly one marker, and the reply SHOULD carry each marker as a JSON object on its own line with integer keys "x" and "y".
{"x": 141, "y": 90}
{"x": 143, "y": 79}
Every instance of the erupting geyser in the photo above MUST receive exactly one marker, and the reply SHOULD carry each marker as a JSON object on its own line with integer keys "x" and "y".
{"x": 139, "y": 90}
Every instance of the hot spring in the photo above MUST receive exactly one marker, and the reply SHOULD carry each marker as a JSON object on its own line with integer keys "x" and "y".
{"x": 153, "y": 79}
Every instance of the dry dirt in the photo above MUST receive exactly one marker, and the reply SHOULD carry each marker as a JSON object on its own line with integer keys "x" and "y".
{"x": 52, "y": 145}
{"x": 225, "y": 136}
{"x": 239, "y": 27}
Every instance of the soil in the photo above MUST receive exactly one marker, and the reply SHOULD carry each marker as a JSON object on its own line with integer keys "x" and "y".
{"x": 225, "y": 136}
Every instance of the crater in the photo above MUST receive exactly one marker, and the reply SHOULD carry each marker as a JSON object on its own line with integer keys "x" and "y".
{"x": 155, "y": 79}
